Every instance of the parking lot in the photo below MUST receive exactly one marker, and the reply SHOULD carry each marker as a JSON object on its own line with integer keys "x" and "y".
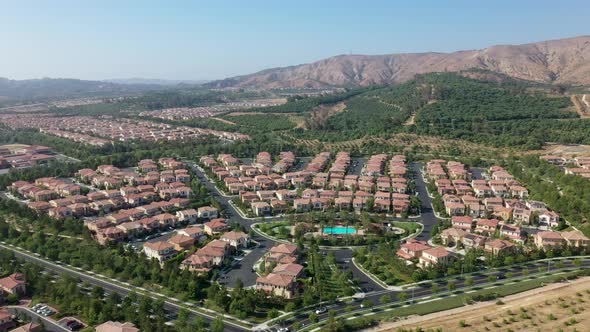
{"x": 43, "y": 309}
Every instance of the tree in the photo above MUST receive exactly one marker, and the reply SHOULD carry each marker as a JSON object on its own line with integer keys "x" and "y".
{"x": 403, "y": 296}
{"x": 273, "y": 313}
{"x": 451, "y": 286}
{"x": 385, "y": 299}
{"x": 468, "y": 281}
{"x": 313, "y": 317}
{"x": 435, "y": 288}
{"x": 217, "y": 325}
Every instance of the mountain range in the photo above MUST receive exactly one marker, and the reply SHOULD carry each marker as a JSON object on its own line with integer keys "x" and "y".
{"x": 562, "y": 61}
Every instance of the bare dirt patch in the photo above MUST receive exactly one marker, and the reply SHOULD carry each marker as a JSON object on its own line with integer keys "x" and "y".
{"x": 562, "y": 306}
{"x": 565, "y": 150}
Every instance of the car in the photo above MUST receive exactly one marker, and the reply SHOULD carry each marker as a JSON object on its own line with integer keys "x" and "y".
{"x": 284, "y": 329}
{"x": 320, "y": 311}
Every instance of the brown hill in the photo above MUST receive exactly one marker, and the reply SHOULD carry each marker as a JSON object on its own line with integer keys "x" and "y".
{"x": 554, "y": 61}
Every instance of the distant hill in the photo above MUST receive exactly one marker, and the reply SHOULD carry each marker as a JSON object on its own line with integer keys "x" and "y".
{"x": 50, "y": 88}
{"x": 555, "y": 61}
{"x": 154, "y": 81}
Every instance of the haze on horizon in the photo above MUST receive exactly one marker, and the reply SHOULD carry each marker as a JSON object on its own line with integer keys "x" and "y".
{"x": 185, "y": 40}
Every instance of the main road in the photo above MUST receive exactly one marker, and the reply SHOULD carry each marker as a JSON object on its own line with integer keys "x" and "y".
{"x": 122, "y": 290}
{"x": 425, "y": 291}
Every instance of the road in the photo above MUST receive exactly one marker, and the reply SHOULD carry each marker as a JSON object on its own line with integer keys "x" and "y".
{"x": 50, "y": 324}
{"x": 356, "y": 167}
{"x": 123, "y": 291}
{"x": 419, "y": 292}
{"x": 427, "y": 214}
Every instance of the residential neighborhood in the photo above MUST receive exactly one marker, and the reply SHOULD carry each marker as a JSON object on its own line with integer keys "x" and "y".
{"x": 270, "y": 188}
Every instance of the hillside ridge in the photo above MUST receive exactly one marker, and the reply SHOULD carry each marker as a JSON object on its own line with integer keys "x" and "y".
{"x": 561, "y": 61}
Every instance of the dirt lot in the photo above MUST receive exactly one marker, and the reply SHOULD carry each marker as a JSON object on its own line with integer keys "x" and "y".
{"x": 557, "y": 307}
{"x": 568, "y": 150}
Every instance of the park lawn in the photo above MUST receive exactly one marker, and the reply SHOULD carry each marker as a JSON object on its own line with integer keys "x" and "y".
{"x": 409, "y": 227}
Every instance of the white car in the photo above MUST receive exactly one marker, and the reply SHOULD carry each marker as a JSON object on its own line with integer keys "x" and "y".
{"x": 321, "y": 310}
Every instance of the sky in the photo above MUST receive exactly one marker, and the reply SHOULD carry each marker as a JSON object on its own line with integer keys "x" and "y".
{"x": 205, "y": 40}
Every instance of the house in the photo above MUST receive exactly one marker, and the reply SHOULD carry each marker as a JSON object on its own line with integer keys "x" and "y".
{"x": 278, "y": 206}
{"x": 7, "y": 320}
{"x": 281, "y": 254}
{"x": 111, "y": 326}
{"x": 290, "y": 269}
{"x": 412, "y": 249}
{"x": 519, "y": 191}
{"x": 549, "y": 219}
{"x": 181, "y": 242}
{"x": 159, "y": 250}
{"x": 576, "y": 239}
{"x": 302, "y": 204}
{"x": 512, "y": 232}
{"x": 195, "y": 232}
{"x": 260, "y": 208}
{"x": 132, "y": 228}
{"x": 434, "y": 256}
{"x": 216, "y": 226}
{"x": 189, "y": 215}
{"x": 109, "y": 235}
{"x": 29, "y": 327}
{"x": 498, "y": 246}
{"x": 14, "y": 284}
{"x": 165, "y": 219}
{"x": 522, "y": 215}
{"x": 237, "y": 240}
{"x": 197, "y": 263}
{"x": 548, "y": 239}
{"x": 504, "y": 213}
{"x": 214, "y": 252}
{"x": 493, "y": 202}
{"x": 455, "y": 209}
{"x": 452, "y": 236}
{"x": 487, "y": 226}
{"x": 207, "y": 212}
{"x": 277, "y": 284}
{"x": 462, "y": 222}
{"x": 473, "y": 241}
{"x": 343, "y": 203}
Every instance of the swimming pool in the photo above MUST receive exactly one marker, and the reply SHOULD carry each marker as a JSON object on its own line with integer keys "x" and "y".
{"x": 339, "y": 230}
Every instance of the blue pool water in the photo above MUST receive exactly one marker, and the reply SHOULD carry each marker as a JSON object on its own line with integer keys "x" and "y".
{"x": 339, "y": 230}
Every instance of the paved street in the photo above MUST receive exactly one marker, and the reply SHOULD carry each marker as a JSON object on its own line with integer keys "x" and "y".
{"x": 356, "y": 167}
{"x": 427, "y": 214}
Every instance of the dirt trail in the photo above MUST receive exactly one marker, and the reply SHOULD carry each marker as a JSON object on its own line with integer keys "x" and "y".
{"x": 543, "y": 309}
{"x": 224, "y": 121}
{"x": 582, "y": 105}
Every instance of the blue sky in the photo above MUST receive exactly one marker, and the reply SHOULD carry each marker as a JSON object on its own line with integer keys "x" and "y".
{"x": 215, "y": 39}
